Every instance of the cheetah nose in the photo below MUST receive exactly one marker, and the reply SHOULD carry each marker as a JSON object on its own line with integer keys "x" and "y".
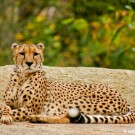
{"x": 29, "y": 63}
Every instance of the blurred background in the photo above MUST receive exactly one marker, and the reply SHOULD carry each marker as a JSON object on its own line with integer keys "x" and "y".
{"x": 99, "y": 33}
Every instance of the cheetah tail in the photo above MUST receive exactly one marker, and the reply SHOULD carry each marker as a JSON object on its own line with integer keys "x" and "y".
{"x": 77, "y": 117}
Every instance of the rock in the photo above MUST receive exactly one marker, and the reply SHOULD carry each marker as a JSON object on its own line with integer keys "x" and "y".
{"x": 25, "y": 128}
{"x": 122, "y": 80}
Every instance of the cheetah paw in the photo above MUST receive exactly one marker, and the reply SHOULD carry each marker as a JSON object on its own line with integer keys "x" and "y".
{"x": 37, "y": 119}
{"x": 32, "y": 119}
{"x": 46, "y": 119}
{"x": 6, "y": 119}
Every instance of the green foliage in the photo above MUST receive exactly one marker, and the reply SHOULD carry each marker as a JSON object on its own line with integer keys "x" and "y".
{"x": 83, "y": 33}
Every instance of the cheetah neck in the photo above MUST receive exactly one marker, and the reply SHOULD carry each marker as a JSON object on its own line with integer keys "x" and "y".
{"x": 23, "y": 76}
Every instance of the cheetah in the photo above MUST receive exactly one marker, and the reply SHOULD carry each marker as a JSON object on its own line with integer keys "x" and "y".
{"x": 29, "y": 96}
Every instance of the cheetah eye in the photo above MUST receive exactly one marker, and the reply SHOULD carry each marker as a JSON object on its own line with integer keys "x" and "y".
{"x": 22, "y": 53}
{"x": 35, "y": 54}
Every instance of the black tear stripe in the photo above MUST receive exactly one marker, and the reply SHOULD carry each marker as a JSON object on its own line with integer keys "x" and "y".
{"x": 23, "y": 58}
{"x": 22, "y": 63}
{"x": 16, "y": 58}
{"x": 40, "y": 61}
{"x": 41, "y": 58}
{"x": 35, "y": 60}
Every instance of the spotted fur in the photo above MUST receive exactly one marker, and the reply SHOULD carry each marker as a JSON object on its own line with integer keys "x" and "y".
{"x": 30, "y": 96}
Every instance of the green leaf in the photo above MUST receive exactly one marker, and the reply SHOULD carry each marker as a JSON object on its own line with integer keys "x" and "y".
{"x": 111, "y": 8}
{"x": 128, "y": 7}
{"x": 81, "y": 24}
{"x": 67, "y": 21}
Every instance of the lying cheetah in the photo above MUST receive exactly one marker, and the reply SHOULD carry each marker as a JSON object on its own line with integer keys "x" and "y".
{"x": 31, "y": 97}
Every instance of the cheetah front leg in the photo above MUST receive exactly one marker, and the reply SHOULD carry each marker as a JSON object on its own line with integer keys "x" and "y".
{"x": 8, "y": 115}
{"x": 47, "y": 119}
{"x": 21, "y": 114}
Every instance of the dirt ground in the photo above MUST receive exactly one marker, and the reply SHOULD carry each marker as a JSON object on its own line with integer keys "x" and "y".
{"x": 25, "y": 128}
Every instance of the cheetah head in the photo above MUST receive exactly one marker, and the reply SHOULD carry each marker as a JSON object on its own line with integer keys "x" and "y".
{"x": 28, "y": 58}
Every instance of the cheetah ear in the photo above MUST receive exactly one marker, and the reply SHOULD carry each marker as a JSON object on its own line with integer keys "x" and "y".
{"x": 40, "y": 46}
{"x": 14, "y": 45}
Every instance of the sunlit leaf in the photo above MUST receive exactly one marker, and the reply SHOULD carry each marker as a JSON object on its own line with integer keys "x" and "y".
{"x": 112, "y": 8}
{"x": 128, "y": 7}
{"x": 67, "y": 21}
{"x": 81, "y": 24}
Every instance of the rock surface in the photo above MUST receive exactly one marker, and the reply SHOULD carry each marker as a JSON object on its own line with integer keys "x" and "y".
{"x": 21, "y": 128}
{"x": 122, "y": 80}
